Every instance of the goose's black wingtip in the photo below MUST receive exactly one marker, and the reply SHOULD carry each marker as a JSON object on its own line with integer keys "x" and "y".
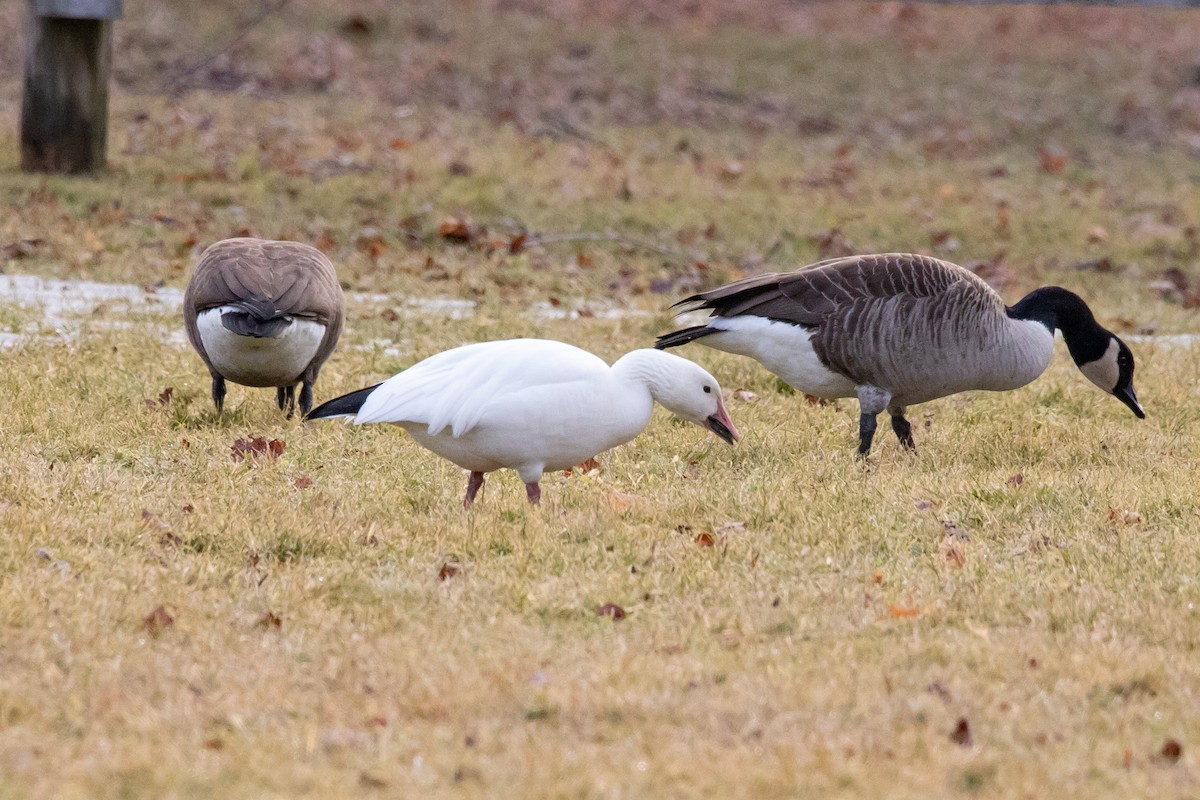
{"x": 683, "y": 336}
{"x": 696, "y": 298}
{"x": 345, "y": 406}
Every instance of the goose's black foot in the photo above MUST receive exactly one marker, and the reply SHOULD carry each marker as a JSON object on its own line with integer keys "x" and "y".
{"x": 903, "y": 429}
{"x": 306, "y": 397}
{"x": 218, "y": 392}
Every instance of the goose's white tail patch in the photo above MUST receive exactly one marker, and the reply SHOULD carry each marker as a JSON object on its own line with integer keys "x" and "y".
{"x": 250, "y": 361}
{"x": 782, "y": 348}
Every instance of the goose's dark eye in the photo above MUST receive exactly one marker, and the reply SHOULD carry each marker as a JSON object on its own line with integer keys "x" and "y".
{"x": 708, "y": 390}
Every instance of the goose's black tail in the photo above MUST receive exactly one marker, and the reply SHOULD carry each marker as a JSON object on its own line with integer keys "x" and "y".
{"x": 345, "y": 406}
{"x": 683, "y": 336}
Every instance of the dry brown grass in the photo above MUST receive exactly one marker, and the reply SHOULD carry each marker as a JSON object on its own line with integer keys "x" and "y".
{"x": 333, "y": 625}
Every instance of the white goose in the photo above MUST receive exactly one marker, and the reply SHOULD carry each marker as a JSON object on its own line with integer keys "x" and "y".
{"x": 898, "y": 329}
{"x": 533, "y": 405}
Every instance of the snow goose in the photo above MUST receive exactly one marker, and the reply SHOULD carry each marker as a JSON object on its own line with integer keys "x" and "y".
{"x": 898, "y": 329}
{"x": 533, "y": 405}
{"x": 264, "y": 313}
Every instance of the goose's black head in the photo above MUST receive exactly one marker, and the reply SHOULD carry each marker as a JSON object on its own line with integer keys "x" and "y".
{"x": 1099, "y": 353}
{"x": 1113, "y": 372}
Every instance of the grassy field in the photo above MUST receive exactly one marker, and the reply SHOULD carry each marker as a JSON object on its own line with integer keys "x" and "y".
{"x": 1008, "y": 613}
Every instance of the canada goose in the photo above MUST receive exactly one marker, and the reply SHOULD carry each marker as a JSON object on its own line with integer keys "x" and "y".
{"x": 264, "y": 313}
{"x": 532, "y": 405}
{"x": 898, "y": 329}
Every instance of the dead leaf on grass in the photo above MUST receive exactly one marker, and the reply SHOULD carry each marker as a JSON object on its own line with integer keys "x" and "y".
{"x": 157, "y": 620}
{"x": 611, "y": 610}
{"x": 961, "y": 735}
{"x": 1052, "y": 159}
{"x": 269, "y": 620}
{"x": 705, "y": 539}
{"x": 1171, "y": 751}
{"x": 448, "y": 570}
{"x": 456, "y": 229}
{"x": 902, "y": 612}
{"x": 256, "y": 447}
{"x": 303, "y": 482}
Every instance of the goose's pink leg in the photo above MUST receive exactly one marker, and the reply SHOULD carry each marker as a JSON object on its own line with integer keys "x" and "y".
{"x": 534, "y": 492}
{"x": 474, "y": 484}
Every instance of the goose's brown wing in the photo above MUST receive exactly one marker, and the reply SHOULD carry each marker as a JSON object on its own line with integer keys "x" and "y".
{"x": 864, "y": 311}
{"x": 298, "y": 279}
{"x": 812, "y": 294}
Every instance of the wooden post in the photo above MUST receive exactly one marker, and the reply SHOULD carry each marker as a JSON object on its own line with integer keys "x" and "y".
{"x": 64, "y": 110}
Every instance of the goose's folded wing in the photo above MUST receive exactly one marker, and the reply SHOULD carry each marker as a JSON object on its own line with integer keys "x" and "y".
{"x": 297, "y": 278}
{"x": 813, "y": 294}
{"x": 452, "y": 389}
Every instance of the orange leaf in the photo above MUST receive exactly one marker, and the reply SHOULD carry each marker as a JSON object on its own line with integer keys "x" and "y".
{"x": 902, "y": 612}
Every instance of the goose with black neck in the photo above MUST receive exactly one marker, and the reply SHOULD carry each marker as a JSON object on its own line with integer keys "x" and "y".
{"x": 898, "y": 329}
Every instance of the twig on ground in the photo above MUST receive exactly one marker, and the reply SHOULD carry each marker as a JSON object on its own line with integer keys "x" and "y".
{"x": 177, "y": 81}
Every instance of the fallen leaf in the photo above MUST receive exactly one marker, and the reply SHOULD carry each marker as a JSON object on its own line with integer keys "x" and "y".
{"x": 255, "y": 447}
{"x": 455, "y": 229}
{"x": 389, "y": 315}
{"x": 1097, "y": 234}
{"x": 517, "y": 243}
{"x": 923, "y": 505}
{"x": 611, "y": 610}
{"x": 902, "y": 612}
{"x": 214, "y": 744}
{"x": 448, "y": 570}
{"x": 961, "y": 735}
{"x": 154, "y": 521}
{"x": 22, "y": 248}
{"x": 325, "y": 243}
{"x": 157, "y": 620}
{"x": 1052, "y": 159}
{"x": 1016, "y": 480}
{"x": 953, "y": 552}
{"x": 1171, "y": 751}
{"x": 303, "y": 482}
{"x": 705, "y": 540}
{"x": 165, "y": 395}
{"x": 356, "y": 25}
{"x": 270, "y": 620}
{"x": 399, "y": 144}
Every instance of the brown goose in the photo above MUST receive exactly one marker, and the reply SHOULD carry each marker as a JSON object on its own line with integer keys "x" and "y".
{"x": 264, "y": 313}
{"x": 898, "y": 329}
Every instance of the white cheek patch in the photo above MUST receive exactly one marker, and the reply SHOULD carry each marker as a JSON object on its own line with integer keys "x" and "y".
{"x": 1104, "y": 371}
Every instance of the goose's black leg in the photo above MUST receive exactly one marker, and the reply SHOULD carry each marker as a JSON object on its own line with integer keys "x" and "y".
{"x": 306, "y": 393}
{"x": 287, "y": 400}
{"x": 872, "y": 401}
{"x": 902, "y": 427}
{"x": 866, "y": 432}
{"x": 218, "y": 392}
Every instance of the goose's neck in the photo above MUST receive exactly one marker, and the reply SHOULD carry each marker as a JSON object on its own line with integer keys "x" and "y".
{"x": 643, "y": 368}
{"x": 1056, "y": 307}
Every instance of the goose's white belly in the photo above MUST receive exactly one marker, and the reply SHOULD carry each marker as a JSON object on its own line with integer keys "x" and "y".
{"x": 252, "y": 361}
{"x": 782, "y": 348}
